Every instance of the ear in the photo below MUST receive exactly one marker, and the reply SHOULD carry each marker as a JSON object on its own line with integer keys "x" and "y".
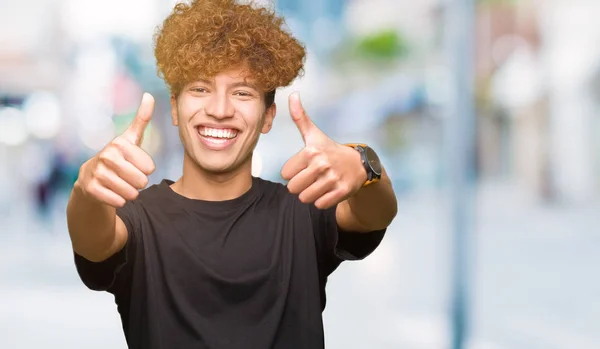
{"x": 269, "y": 116}
{"x": 174, "y": 113}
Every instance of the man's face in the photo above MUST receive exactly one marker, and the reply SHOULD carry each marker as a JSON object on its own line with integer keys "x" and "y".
{"x": 220, "y": 120}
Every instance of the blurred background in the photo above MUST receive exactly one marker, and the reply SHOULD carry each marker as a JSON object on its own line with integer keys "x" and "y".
{"x": 382, "y": 72}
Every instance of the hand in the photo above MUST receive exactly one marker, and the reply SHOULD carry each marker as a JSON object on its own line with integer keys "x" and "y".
{"x": 117, "y": 172}
{"x": 324, "y": 172}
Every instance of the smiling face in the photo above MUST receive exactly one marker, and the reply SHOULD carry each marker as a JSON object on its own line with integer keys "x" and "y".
{"x": 220, "y": 121}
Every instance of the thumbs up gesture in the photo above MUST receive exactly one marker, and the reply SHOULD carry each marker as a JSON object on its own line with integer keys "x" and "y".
{"x": 119, "y": 170}
{"x": 324, "y": 172}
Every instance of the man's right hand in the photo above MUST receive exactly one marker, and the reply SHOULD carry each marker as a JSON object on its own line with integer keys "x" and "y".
{"x": 116, "y": 173}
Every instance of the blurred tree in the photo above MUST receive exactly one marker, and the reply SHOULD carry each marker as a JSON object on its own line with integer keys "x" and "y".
{"x": 385, "y": 47}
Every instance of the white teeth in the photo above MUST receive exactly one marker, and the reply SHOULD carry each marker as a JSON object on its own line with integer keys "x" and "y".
{"x": 218, "y": 140}
{"x": 217, "y": 132}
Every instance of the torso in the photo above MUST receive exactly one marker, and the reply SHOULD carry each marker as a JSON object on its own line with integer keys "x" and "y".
{"x": 242, "y": 273}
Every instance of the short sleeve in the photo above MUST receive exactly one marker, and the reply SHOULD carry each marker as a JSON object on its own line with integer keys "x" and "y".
{"x": 335, "y": 245}
{"x": 115, "y": 272}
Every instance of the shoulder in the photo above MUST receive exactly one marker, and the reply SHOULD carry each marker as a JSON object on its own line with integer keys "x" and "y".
{"x": 152, "y": 192}
{"x": 156, "y": 195}
{"x": 271, "y": 187}
{"x": 271, "y": 190}
{"x": 277, "y": 194}
{"x": 148, "y": 198}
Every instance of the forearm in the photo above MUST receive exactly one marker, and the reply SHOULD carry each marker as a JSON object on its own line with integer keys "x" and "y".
{"x": 373, "y": 207}
{"x": 91, "y": 226}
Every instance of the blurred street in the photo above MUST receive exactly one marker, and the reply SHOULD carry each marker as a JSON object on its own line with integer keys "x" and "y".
{"x": 381, "y": 72}
{"x": 396, "y": 298}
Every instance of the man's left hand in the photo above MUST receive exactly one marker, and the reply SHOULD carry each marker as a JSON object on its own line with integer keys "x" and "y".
{"x": 324, "y": 172}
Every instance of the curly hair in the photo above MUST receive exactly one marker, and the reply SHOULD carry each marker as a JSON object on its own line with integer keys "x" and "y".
{"x": 205, "y": 37}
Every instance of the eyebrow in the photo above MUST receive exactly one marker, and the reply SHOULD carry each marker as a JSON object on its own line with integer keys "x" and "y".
{"x": 235, "y": 84}
{"x": 244, "y": 84}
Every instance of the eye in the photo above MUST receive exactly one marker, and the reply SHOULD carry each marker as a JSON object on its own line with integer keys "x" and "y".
{"x": 198, "y": 89}
{"x": 243, "y": 94}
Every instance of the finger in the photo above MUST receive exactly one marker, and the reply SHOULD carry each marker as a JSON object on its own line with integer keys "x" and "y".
{"x": 135, "y": 132}
{"x": 111, "y": 181}
{"x": 294, "y": 165}
{"x": 303, "y": 180}
{"x": 315, "y": 191}
{"x": 138, "y": 158}
{"x": 298, "y": 114}
{"x": 329, "y": 199}
{"x": 129, "y": 173}
{"x": 106, "y": 196}
{"x": 114, "y": 158}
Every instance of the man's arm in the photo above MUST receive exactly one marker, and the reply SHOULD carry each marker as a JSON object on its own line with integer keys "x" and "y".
{"x": 106, "y": 182}
{"x": 372, "y": 208}
{"x": 95, "y": 229}
{"x": 327, "y": 173}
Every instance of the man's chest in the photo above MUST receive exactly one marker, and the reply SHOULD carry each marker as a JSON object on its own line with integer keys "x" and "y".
{"x": 234, "y": 271}
{"x": 239, "y": 250}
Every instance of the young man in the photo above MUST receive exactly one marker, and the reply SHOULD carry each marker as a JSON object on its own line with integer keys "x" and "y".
{"x": 219, "y": 258}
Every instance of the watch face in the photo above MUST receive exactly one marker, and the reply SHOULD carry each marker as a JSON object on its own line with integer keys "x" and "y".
{"x": 373, "y": 161}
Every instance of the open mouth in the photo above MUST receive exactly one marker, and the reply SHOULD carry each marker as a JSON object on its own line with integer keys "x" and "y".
{"x": 217, "y": 136}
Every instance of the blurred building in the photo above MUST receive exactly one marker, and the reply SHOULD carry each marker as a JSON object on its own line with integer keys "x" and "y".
{"x": 72, "y": 73}
{"x": 537, "y": 119}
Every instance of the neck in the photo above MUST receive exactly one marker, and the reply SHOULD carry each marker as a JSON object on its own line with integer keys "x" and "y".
{"x": 198, "y": 184}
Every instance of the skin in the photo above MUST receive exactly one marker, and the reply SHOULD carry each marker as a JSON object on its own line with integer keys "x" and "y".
{"x": 105, "y": 182}
{"x": 324, "y": 172}
{"x": 327, "y": 173}
{"x": 229, "y": 101}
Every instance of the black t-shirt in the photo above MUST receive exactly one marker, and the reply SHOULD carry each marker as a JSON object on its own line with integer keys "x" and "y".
{"x": 237, "y": 274}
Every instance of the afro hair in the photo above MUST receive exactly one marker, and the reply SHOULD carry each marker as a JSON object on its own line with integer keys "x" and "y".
{"x": 204, "y": 37}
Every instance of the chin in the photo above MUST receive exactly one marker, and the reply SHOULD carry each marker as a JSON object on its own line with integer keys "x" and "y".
{"x": 219, "y": 167}
{"x": 219, "y": 163}
{"x": 217, "y": 170}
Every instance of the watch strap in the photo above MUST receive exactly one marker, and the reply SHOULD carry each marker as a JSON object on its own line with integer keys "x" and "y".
{"x": 361, "y": 148}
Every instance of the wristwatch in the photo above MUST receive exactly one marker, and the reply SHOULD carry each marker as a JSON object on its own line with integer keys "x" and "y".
{"x": 370, "y": 161}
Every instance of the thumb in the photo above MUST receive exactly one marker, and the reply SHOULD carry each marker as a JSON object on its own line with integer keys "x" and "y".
{"x": 302, "y": 121}
{"x": 135, "y": 131}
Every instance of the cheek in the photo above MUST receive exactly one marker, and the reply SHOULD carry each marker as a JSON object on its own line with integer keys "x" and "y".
{"x": 188, "y": 106}
{"x": 183, "y": 118}
{"x": 253, "y": 116}
{"x": 185, "y": 115}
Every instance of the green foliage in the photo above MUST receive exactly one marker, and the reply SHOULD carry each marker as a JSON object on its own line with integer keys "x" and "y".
{"x": 386, "y": 45}
{"x": 382, "y": 49}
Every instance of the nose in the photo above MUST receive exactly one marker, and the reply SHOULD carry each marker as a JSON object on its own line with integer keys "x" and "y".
{"x": 219, "y": 106}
